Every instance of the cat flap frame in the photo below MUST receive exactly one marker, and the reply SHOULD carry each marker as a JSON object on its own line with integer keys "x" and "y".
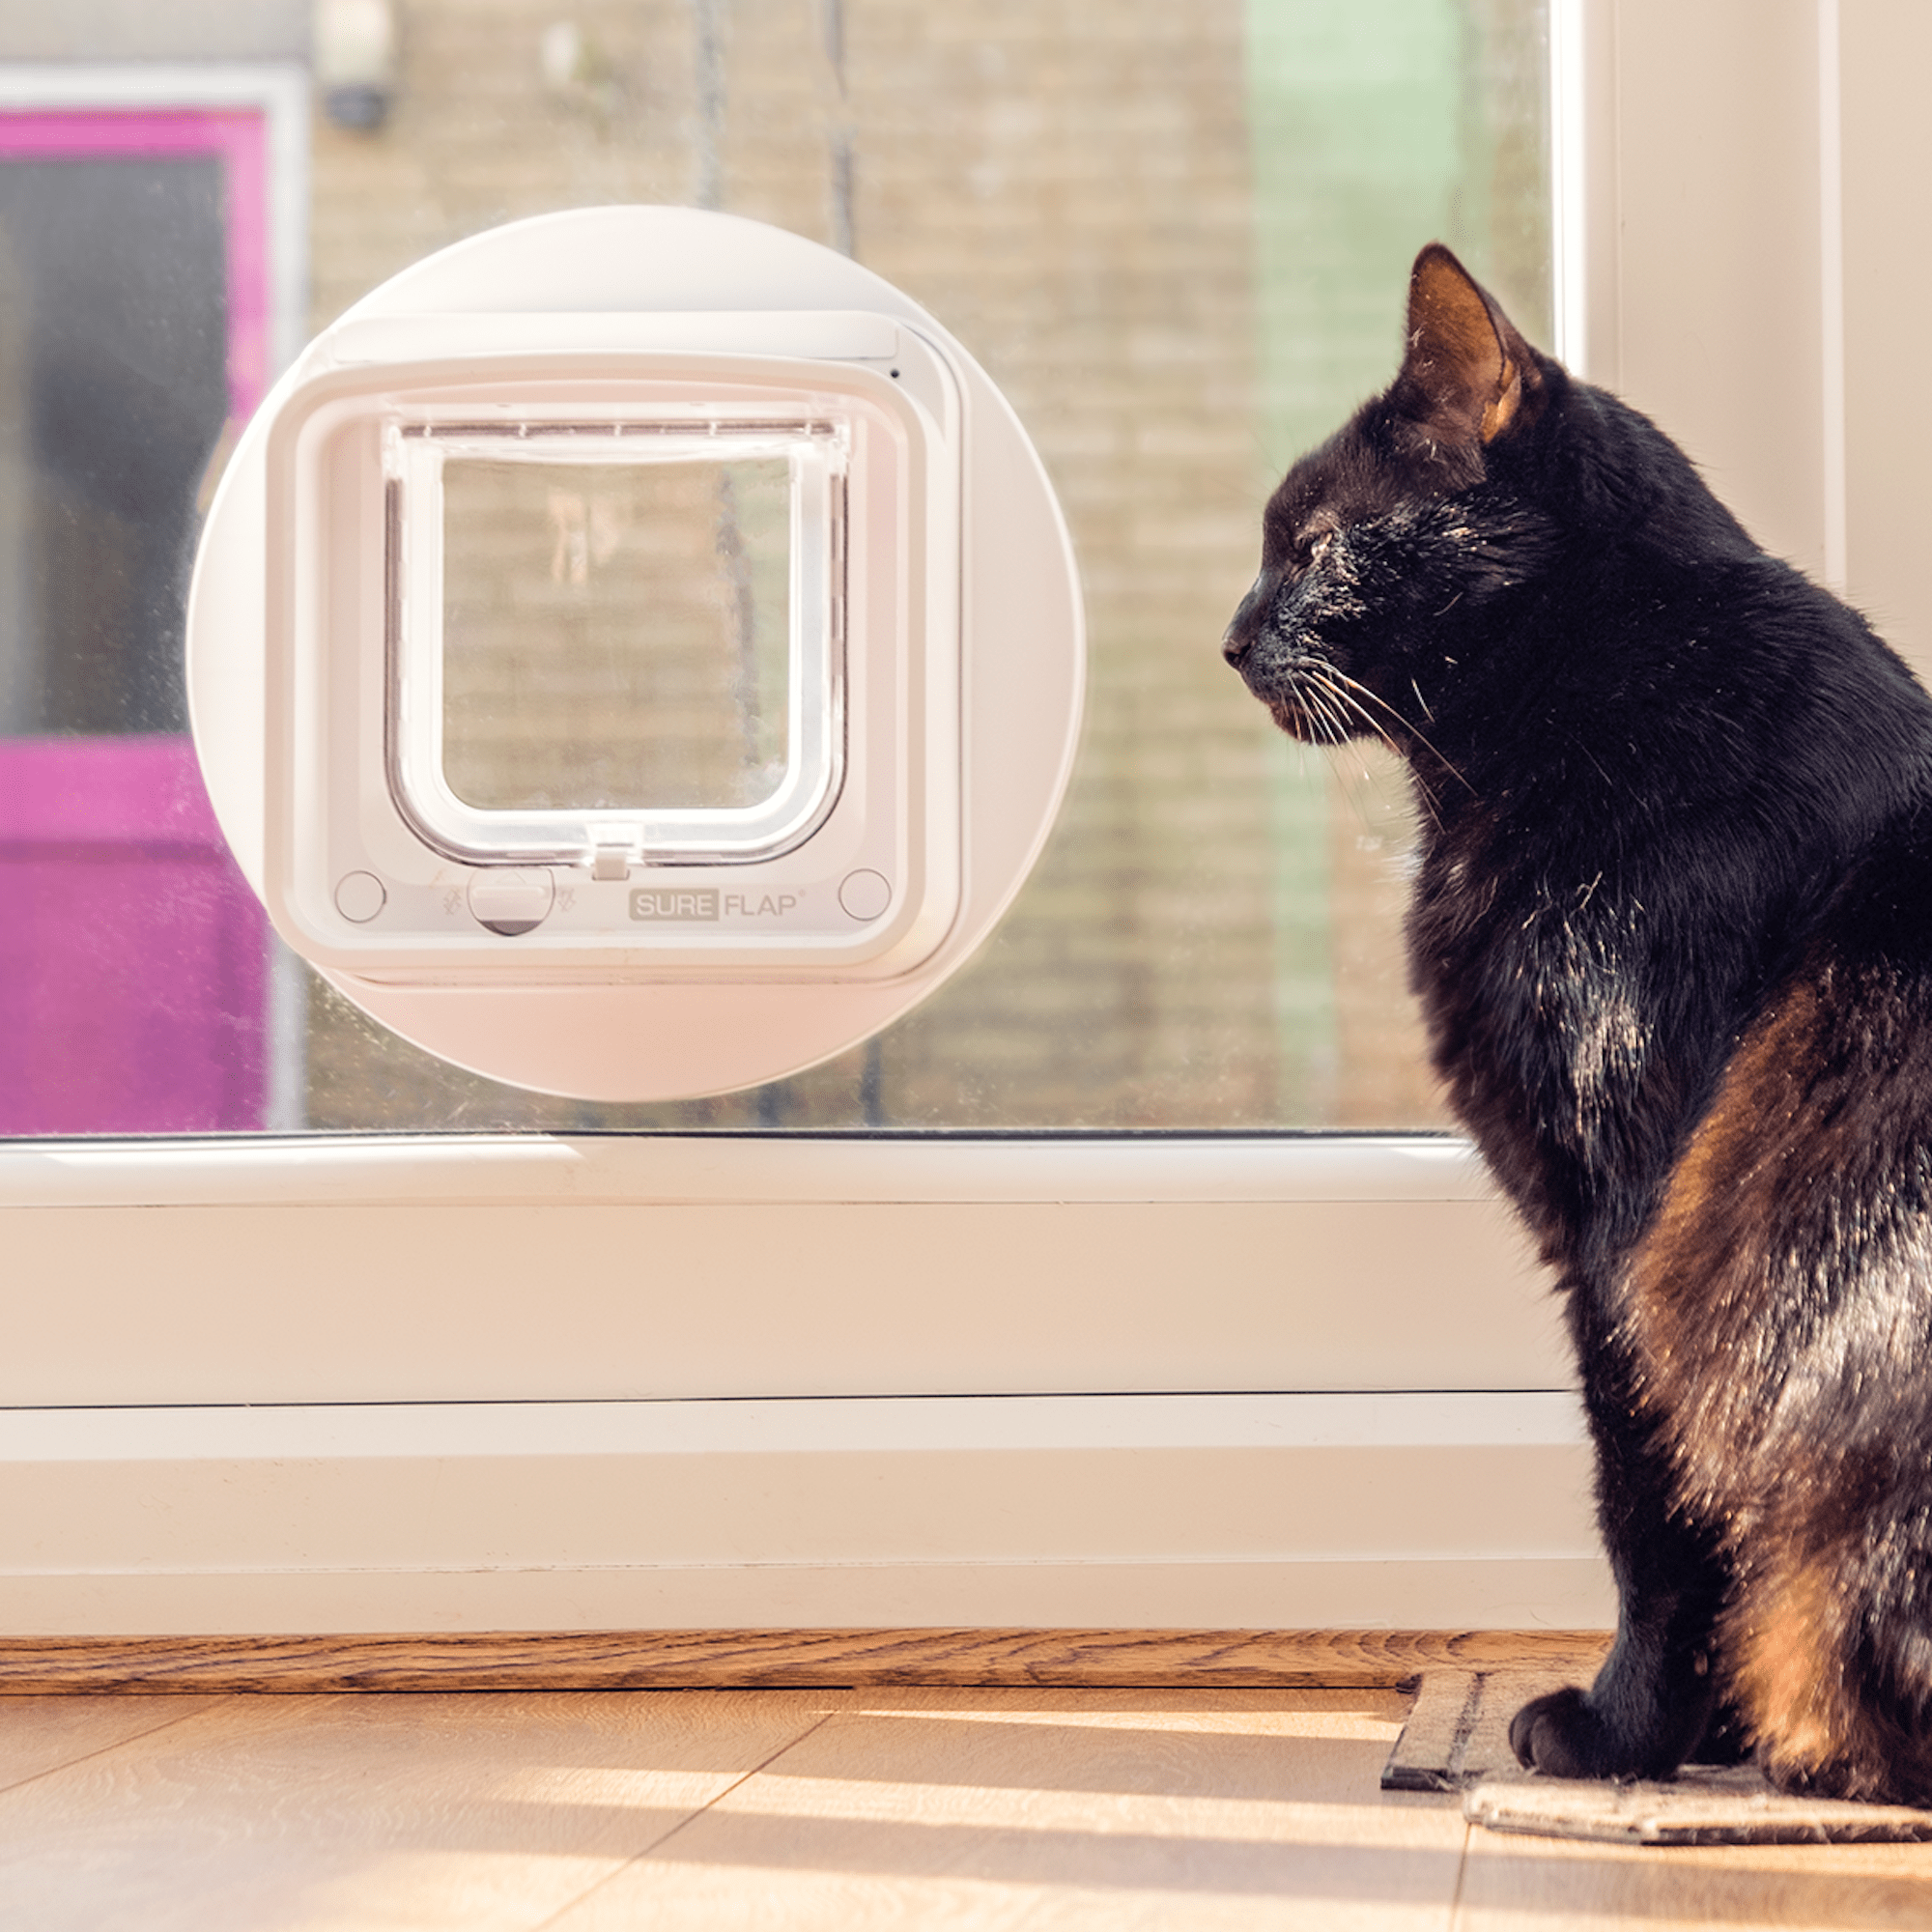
{"x": 755, "y": 431}
{"x": 361, "y": 785}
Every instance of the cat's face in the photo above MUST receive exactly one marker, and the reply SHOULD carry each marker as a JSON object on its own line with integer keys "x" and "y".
{"x": 1380, "y": 546}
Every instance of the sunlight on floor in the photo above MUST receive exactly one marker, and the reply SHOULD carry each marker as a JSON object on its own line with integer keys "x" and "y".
{"x": 575, "y": 1812}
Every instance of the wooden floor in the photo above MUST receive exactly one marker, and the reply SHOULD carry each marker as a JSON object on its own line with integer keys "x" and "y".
{"x": 926, "y": 1808}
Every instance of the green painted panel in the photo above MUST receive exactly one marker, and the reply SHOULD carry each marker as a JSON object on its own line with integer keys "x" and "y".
{"x": 1375, "y": 125}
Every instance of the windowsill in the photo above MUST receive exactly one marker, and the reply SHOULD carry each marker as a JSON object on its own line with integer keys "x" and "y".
{"x": 542, "y": 1169}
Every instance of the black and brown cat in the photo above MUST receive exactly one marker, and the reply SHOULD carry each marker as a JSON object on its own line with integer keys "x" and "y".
{"x": 1673, "y": 935}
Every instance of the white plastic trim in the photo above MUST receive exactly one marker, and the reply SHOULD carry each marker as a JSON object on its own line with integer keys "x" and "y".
{"x": 1832, "y": 288}
{"x": 1569, "y": 204}
{"x": 1416, "y": 1511}
{"x": 413, "y": 1325}
{"x": 511, "y": 1169}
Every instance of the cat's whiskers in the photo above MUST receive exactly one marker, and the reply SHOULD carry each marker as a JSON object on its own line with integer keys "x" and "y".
{"x": 1352, "y": 704}
{"x": 1335, "y": 699}
{"x": 1314, "y": 704}
{"x": 1408, "y": 726}
{"x": 1424, "y": 795}
{"x": 1328, "y": 715}
{"x": 1336, "y": 707}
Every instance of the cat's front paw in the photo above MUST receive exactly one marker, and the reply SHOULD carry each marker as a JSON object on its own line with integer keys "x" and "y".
{"x": 1561, "y": 1736}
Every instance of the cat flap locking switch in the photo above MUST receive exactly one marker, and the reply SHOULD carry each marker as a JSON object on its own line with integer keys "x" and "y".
{"x": 649, "y": 696}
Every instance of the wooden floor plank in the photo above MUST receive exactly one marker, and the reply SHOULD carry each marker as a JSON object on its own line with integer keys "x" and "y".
{"x": 40, "y": 1734}
{"x": 475, "y": 1811}
{"x": 1114, "y": 1810}
{"x": 1546, "y": 1884}
{"x": 672, "y": 1660}
{"x": 1046, "y": 1807}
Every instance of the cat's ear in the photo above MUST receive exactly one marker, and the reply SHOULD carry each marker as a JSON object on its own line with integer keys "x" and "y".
{"x": 1465, "y": 372}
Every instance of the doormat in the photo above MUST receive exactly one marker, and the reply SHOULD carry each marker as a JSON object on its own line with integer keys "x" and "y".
{"x": 1456, "y": 1739}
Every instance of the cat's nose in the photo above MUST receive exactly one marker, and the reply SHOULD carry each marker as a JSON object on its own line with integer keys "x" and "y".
{"x": 1240, "y": 636}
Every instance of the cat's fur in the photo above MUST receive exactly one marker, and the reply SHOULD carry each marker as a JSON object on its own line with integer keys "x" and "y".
{"x": 1672, "y": 933}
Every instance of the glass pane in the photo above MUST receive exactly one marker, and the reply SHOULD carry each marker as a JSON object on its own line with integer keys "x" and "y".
{"x": 1373, "y": 128}
{"x": 615, "y": 636}
{"x": 113, "y": 390}
{"x": 1179, "y": 239}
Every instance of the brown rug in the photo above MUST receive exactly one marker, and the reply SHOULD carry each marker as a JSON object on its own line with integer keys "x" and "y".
{"x": 1456, "y": 1739}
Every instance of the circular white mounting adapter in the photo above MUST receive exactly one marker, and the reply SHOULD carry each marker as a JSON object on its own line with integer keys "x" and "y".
{"x": 635, "y": 654}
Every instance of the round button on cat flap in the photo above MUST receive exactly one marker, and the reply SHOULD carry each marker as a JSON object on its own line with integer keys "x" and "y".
{"x": 865, "y": 894}
{"x": 359, "y": 897}
{"x": 688, "y": 671}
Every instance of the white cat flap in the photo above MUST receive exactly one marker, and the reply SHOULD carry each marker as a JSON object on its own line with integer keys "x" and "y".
{"x": 635, "y": 653}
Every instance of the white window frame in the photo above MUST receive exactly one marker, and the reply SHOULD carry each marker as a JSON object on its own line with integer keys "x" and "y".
{"x": 443, "y": 1383}
{"x": 434, "y": 1383}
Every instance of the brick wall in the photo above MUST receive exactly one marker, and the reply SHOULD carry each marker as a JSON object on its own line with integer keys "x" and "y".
{"x": 1069, "y": 186}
